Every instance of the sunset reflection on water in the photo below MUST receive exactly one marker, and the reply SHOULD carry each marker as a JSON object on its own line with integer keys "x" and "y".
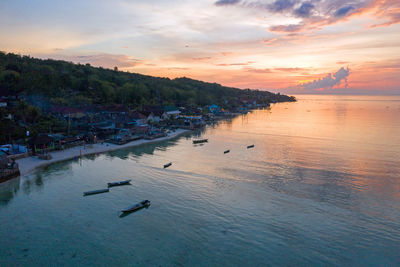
{"x": 320, "y": 187}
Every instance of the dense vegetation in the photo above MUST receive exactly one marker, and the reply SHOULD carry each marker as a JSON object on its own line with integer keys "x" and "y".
{"x": 66, "y": 83}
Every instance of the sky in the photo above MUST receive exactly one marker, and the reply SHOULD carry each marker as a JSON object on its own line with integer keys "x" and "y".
{"x": 287, "y": 46}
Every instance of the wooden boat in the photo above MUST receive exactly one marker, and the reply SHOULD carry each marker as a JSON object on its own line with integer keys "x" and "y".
{"x": 167, "y": 165}
{"x": 142, "y": 204}
{"x": 250, "y": 146}
{"x": 126, "y": 182}
{"x": 94, "y": 192}
{"x": 199, "y": 141}
{"x": 227, "y": 151}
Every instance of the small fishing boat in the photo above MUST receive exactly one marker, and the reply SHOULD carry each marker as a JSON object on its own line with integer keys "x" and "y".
{"x": 143, "y": 204}
{"x": 250, "y": 146}
{"x": 227, "y": 151}
{"x": 167, "y": 165}
{"x": 199, "y": 141}
{"x": 126, "y": 182}
{"x": 94, "y": 192}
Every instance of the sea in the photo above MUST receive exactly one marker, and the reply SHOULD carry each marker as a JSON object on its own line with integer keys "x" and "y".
{"x": 320, "y": 187}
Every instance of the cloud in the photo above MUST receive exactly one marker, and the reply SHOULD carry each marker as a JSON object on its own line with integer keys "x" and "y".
{"x": 226, "y": 2}
{"x": 201, "y": 58}
{"x": 343, "y": 11}
{"x": 286, "y": 28}
{"x": 327, "y": 82}
{"x": 226, "y": 53}
{"x": 304, "y": 10}
{"x": 392, "y": 16}
{"x": 100, "y": 60}
{"x": 235, "y": 64}
{"x": 258, "y": 70}
{"x": 177, "y": 68}
{"x": 281, "y": 5}
{"x": 274, "y": 70}
{"x": 290, "y": 69}
{"x": 271, "y": 41}
{"x": 315, "y": 14}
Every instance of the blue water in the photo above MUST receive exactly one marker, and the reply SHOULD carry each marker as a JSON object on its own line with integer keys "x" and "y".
{"x": 320, "y": 187}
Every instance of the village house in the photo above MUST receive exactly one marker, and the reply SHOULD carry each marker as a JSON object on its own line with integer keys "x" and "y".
{"x": 155, "y": 116}
{"x": 214, "y": 109}
{"x": 68, "y": 112}
{"x": 140, "y": 129}
{"x": 138, "y": 118}
{"x": 123, "y": 135}
{"x": 172, "y": 112}
{"x": 42, "y": 143}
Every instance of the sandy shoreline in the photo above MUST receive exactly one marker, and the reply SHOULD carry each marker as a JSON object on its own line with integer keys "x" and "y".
{"x": 28, "y": 164}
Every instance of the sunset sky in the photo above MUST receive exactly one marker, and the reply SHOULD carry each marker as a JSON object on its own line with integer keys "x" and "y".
{"x": 290, "y": 46}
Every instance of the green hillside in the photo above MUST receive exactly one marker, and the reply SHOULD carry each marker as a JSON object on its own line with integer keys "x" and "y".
{"x": 65, "y": 83}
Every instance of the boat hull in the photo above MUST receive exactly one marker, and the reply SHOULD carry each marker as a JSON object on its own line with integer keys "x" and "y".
{"x": 200, "y": 141}
{"x": 167, "y": 165}
{"x": 95, "y": 192}
{"x": 141, "y": 205}
{"x": 127, "y": 182}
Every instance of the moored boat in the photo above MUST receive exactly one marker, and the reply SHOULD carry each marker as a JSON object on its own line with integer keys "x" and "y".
{"x": 94, "y": 192}
{"x": 142, "y": 204}
{"x": 198, "y": 141}
{"x": 167, "y": 165}
{"x": 126, "y": 182}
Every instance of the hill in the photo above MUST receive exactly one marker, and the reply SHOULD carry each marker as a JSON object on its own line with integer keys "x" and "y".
{"x": 61, "y": 82}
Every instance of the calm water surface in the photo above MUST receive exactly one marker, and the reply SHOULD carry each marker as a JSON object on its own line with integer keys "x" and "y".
{"x": 320, "y": 187}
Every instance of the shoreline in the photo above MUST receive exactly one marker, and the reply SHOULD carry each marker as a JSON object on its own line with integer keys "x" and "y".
{"x": 27, "y": 165}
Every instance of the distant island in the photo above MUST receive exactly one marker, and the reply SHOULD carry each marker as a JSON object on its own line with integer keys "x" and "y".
{"x": 53, "y": 96}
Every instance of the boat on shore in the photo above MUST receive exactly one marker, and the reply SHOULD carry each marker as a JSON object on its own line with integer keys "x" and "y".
{"x": 199, "y": 141}
{"x": 167, "y": 165}
{"x": 227, "y": 151}
{"x": 250, "y": 146}
{"x": 138, "y": 206}
{"x": 126, "y": 182}
{"x": 94, "y": 192}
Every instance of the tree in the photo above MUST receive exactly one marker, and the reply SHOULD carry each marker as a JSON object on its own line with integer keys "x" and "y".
{"x": 9, "y": 80}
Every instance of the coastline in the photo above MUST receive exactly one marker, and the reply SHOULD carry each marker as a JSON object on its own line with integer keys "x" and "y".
{"x": 26, "y": 165}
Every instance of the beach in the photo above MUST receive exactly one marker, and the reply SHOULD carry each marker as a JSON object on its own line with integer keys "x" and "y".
{"x": 28, "y": 164}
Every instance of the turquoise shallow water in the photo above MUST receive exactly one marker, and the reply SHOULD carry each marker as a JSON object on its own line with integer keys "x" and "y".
{"x": 320, "y": 187}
